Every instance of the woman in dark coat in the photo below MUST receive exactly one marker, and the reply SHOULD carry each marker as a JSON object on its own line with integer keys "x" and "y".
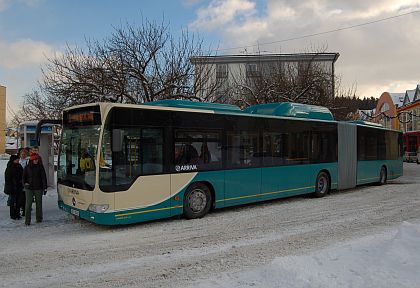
{"x": 23, "y": 161}
{"x": 35, "y": 182}
{"x": 13, "y": 185}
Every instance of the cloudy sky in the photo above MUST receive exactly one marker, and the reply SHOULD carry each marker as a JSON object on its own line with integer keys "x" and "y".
{"x": 383, "y": 56}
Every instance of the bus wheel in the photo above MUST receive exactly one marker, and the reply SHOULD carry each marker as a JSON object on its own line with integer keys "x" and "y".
{"x": 382, "y": 176}
{"x": 197, "y": 201}
{"x": 322, "y": 185}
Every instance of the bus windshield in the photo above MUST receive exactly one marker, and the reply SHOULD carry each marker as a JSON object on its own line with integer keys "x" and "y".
{"x": 77, "y": 156}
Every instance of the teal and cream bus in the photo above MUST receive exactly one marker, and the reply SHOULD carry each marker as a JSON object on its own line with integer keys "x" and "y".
{"x": 122, "y": 163}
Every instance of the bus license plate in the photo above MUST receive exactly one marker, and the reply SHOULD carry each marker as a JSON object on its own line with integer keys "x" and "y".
{"x": 74, "y": 212}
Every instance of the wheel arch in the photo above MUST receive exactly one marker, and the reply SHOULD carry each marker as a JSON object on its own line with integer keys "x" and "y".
{"x": 328, "y": 174}
{"x": 384, "y": 166}
{"x": 321, "y": 193}
{"x": 211, "y": 188}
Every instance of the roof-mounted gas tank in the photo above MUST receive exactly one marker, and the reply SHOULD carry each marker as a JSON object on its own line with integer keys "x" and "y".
{"x": 216, "y": 107}
{"x": 288, "y": 109}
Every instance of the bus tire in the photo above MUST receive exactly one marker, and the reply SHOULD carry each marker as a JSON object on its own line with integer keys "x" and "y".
{"x": 382, "y": 176}
{"x": 197, "y": 201}
{"x": 322, "y": 185}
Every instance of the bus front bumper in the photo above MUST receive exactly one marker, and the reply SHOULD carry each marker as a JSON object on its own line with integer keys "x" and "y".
{"x": 94, "y": 217}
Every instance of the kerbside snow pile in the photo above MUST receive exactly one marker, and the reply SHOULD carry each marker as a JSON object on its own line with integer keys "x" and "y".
{"x": 385, "y": 260}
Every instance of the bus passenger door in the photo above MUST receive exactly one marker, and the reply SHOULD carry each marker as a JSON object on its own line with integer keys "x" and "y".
{"x": 243, "y": 175}
{"x": 286, "y": 158}
{"x": 136, "y": 171}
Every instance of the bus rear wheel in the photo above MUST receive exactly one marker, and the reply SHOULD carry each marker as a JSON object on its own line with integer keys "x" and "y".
{"x": 197, "y": 201}
{"x": 382, "y": 176}
{"x": 322, "y": 185}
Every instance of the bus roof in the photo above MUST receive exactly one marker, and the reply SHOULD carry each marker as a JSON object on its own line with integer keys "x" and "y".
{"x": 295, "y": 110}
{"x": 283, "y": 110}
{"x": 366, "y": 123}
{"x": 370, "y": 125}
{"x": 216, "y": 107}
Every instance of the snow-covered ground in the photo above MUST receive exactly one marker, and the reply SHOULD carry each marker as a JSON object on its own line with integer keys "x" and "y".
{"x": 364, "y": 237}
{"x": 383, "y": 260}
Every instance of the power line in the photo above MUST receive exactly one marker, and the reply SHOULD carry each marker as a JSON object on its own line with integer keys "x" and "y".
{"x": 399, "y": 115}
{"x": 322, "y": 33}
{"x": 9, "y": 109}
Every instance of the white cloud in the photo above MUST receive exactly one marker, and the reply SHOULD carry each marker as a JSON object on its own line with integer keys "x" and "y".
{"x": 374, "y": 57}
{"x": 20, "y": 67}
{"x": 283, "y": 12}
{"x": 24, "y": 52}
{"x": 221, "y": 12}
{"x": 4, "y": 4}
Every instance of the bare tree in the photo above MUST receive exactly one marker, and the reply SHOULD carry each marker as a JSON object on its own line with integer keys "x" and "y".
{"x": 307, "y": 82}
{"x": 133, "y": 65}
{"x": 35, "y": 106}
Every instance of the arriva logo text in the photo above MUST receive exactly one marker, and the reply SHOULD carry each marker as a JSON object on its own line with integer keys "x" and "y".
{"x": 180, "y": 168}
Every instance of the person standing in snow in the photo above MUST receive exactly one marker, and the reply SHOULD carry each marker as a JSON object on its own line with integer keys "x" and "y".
{"x": 35, "y": 182}
{"x": 23, "y": 157}
{"x": 13, "y": 185}
{"x": 35, "y": 150}
{"x": 23, "y": 161}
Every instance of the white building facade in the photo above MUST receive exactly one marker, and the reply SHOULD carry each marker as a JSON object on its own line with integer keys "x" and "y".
{"x": 221, "y": 75}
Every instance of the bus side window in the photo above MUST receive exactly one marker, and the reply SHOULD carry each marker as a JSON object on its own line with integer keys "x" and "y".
{"x": 200, "y": 148}
{"x": 205, "y": 155}
{"x": 274, "y": 148}
{"x": 322, "y": 147}
{"x": 141, "y": 154}
{"x": 242, "y": 149}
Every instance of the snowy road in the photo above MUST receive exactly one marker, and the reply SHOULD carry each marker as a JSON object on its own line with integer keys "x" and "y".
{"x": 63, "y": 252}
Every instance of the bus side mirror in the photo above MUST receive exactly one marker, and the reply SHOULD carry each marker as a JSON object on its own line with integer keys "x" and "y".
{"x": 117, "y": 140}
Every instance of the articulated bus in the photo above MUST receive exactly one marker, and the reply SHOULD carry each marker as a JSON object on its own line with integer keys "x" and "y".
{"x": 121, "y": 163}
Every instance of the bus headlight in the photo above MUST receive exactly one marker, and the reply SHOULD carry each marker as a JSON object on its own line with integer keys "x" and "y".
{"x": 98, "y": 208}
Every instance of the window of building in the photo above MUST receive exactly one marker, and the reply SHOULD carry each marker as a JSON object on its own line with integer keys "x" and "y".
{"x": 252, "y": 70}
{"x": 221, "y": 71}
{"x": 417, "y": 119}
